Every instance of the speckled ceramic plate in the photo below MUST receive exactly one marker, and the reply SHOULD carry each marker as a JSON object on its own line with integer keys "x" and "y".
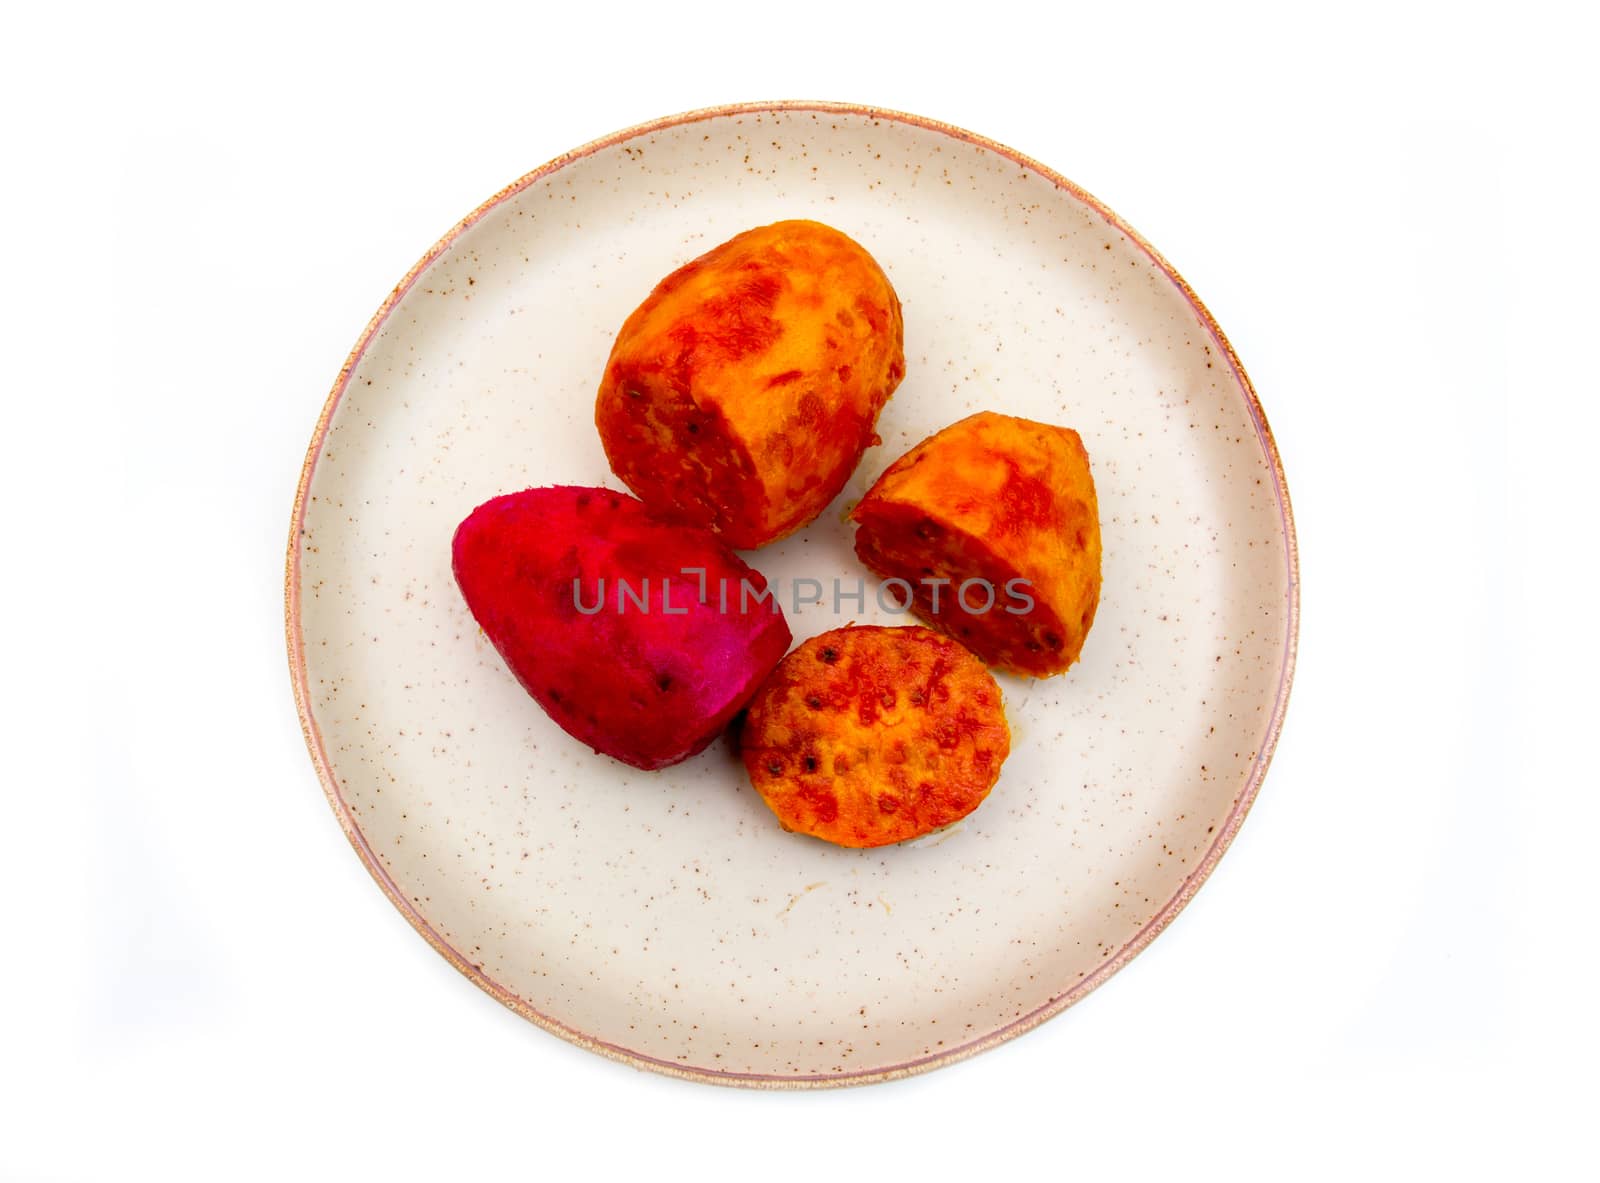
{"x": 664, "y": 918}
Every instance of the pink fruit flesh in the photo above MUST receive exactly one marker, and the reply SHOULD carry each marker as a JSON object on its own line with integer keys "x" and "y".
{"x": 644, "y": 685}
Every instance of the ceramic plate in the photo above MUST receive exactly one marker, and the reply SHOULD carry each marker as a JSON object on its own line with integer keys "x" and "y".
{"x": 664, "y": 918}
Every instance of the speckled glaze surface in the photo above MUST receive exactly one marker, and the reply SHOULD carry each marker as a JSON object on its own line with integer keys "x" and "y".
{"x": 664, "y": 918}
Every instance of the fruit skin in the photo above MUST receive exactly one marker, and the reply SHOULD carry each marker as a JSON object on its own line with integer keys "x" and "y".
{"x": 646, "y": 687}
{"x": 740, "y": 395}
{"x": 865, "y": 736}
{"x": 998, "y": 499}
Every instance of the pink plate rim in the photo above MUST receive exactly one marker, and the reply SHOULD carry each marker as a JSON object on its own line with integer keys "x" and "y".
{"x": 1226, "y": 832}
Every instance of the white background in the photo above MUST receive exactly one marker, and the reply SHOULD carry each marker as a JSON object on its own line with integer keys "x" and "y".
{"x": 1390, "y": 209}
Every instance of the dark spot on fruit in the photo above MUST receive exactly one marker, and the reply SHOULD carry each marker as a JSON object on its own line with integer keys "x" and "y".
{"x": 664, "y": 681}
{"x": 810, "y": 763}
{"x": 693, "y": 428}
{"x": 634, "y": 394}
{"x": 888, "y": 803}
{"x": 555, "y": 695}
{"x": 1035, "y": 647}
{"x": 583, "y": 500}
{"x": 829, "y": 655}
{"x": 927, "y": 529}
{"x": 814, "y": 701}
{"x": 1053, "y": 641}
{"x": 775, "y": 766}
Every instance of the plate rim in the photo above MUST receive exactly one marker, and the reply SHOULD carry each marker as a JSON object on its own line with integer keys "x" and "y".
{"x": 295, "y": 638}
